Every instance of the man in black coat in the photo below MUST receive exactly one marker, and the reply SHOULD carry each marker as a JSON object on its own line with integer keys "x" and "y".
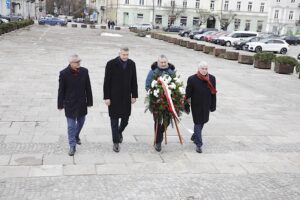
{"x": 201, "y": 88}
{"x": 120, "y": 91}
{"x": 74, "y": 95}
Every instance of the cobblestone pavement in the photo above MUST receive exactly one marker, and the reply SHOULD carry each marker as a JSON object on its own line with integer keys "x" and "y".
{"x": 251, "y": 144}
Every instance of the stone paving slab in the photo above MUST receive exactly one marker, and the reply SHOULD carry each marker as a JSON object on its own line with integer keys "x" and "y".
{"x": 26, "y": 159}
{"x": 84, "y": 169}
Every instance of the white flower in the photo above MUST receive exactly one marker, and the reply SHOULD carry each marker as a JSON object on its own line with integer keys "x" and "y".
{"x": 172, "y": 86}
{"x": 154, "y": 83}
{"x": 156, "y": 92}
{"x": 181, "y": 89}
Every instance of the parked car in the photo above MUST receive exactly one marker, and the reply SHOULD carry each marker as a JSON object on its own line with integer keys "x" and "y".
{"x": 236, "y": 36}
{"x": 243, "y": 44}
{"x": 298, "y": 57}
{"x": 292, "y": 39}
{"x": 142, "y": 26}
{"x": 12, "y": 17}
{"x": 70, "y": 18}
{"x": 201, "y": 36}
{"x": 185, "y": 32}
{"x": 215, "y": 38}
{"x": 174, "y": 29}
{"x": 52, "y": 21}
{"x": 3, "y": 21}
{"x": 200, "y": 31}
{"x": 273, "y": 45}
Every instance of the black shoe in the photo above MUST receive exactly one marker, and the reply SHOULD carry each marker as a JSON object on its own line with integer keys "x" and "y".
{"x": 116, "y": 147}
{"x": 198, "y": 149}
{"x": 193, "y": 138}
{"x": 72, "y": 151}
{"x": 157, "y": 147}
{"x": 121, "y": 138}
{"x": 78, "y": 141}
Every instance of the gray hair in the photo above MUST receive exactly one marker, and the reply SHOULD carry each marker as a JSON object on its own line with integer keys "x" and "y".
{"x": 202, "y": 64}
{"x": 124, "y": 49}
{"x": 162, "y": 57}
{"x": 74, "y": 58}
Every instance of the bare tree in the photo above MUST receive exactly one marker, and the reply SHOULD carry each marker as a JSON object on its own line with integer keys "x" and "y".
{"x": 174, "y": 12}
{"x": 226, "y": 19}
{"x": 203, "y": 16}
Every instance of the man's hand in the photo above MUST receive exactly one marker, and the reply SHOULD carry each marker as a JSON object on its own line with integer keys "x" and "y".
{"x": 133, "y": 100}
{"x": 107, "y": 102}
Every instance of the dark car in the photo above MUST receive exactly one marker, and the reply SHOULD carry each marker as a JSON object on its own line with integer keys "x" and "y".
{"x": 52, "y": 21}
{"x": 292, "y": 39}
{"x": 242, "y": 44}
{"x": 298, "y": 57}
{"x": 174, "y": 29}
{"x": 185, "y": 33}
{"x": 12, "y": 17}
{"x": 200, "y": 31}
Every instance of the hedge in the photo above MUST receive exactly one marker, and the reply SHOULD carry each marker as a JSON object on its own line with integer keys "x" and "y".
{"x": 11, "y": 26}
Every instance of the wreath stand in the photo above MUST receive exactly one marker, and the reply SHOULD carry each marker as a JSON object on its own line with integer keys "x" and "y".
{"x": 177, "y": 130}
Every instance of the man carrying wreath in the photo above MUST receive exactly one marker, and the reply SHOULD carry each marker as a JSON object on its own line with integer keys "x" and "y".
{"x": 159, "y": 68}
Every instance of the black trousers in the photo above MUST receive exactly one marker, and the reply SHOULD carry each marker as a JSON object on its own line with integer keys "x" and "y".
{"x": 160, "y": 131}
{"x": 117, "y": 128}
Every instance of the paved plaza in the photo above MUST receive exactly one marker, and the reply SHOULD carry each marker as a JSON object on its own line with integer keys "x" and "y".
{"x": 251, "y": 143}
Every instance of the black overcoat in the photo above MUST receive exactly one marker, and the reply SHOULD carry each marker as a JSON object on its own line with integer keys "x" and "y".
{"x": 202, "y": 101}
{"x": 74, "y": 92}
{"x": 120, "y": 85}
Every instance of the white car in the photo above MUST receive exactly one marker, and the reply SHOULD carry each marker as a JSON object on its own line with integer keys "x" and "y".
{"x": 228, "y": 40}
{"x": 3, "y": 21}
{"x": 272, "y": 44}
{"x": 143, "y": 26}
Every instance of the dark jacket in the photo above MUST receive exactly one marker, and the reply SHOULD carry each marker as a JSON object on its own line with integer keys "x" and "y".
{"x": 202, "y": 101}
{"x": 74, "y": 92}
{"x": 155, "y": 70}
{"x": 120, "y": 85}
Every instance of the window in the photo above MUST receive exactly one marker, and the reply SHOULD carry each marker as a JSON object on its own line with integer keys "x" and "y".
{"x": 158, "y": 2}
{"x": 140, "y": 16}
{"x": 196, "y": 21}
{"x": 158, "y": 19}
{"x": 237, "y": 23}
{"x": 126, "y": 1}
{"x": 238, "y": 6}
{"x": 262, "y": 7}
{"x": 183, "y": 21}
{"x": 278, "y": 1}
{"x": 291, "y": 15}
{"x": 250, "y": 6}
{"x": 172, "y": 3}
{"x": 276, "y": 14}
{"x": 184, "y": 3}
{"x": 292, "y": 1}
{"x": 142, "y": 2}
{"x": 212, "y": 5}
{"x": 259, "y": 26}
{"x": 247, "y": 25}
{"x": 226, "y": 5}
{"x": 197, "y": 4}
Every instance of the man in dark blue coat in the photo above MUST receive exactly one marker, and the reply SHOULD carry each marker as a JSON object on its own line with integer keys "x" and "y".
{"x": 120, "y": 91}
{"x": 74, "y": 95}
{"x": 201, "y": 89}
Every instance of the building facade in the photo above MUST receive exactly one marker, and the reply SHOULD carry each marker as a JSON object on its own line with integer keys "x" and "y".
{"x": 27, "y": 9}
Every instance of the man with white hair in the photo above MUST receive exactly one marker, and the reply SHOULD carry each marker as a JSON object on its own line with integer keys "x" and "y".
{"x": 159, "y": 68}
{"x": 201, "y": 89}
{"x": 74, "y": 95}
{"x": 120, "y": 90}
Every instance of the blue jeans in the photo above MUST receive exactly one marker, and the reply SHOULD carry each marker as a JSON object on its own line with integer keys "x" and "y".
{"x": 74, "y": 127}
{"x": 118, "y": 128}
{"x": 198, "y": 134}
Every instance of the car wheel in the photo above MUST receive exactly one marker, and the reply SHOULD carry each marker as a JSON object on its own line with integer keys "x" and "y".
{"x": 244, "y": 47}
{"x": 283, "y": 51}
{"x": 186, "y": 34}
{"x": 258, "y": 49}
{"x": 228, "y": 43}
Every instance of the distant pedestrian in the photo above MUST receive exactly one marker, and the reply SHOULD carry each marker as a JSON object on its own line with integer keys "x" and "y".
{"x": 74, "y": 95}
